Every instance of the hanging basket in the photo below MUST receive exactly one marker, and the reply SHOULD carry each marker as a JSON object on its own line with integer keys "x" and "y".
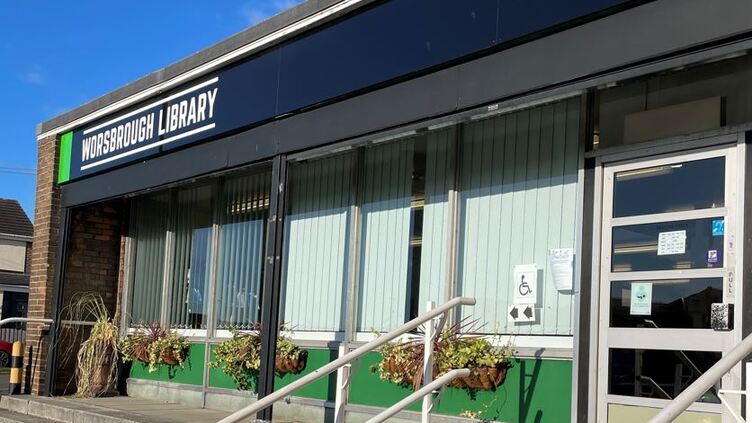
{"x": 291, "y": 365}
{"x": 482, "y": 378}
{"x": 142, "y": 355}
{"x": 169, "y": 357}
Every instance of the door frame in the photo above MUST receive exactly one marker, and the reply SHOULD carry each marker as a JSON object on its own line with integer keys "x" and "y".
{"x": 733, "y": 148}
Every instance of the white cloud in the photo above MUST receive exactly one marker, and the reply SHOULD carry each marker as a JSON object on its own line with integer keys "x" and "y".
{"x": 256, "y": 11}
{"x": 33, "y": 76}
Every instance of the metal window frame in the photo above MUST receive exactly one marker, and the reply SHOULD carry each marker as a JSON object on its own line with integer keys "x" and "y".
{"x": 270, "y": 304}
{"x": 659, "y": 152}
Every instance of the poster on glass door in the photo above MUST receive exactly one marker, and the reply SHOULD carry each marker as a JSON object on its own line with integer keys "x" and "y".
{"x": 641, "y": 299}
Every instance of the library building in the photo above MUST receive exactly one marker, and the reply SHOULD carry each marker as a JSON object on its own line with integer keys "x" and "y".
{"x": 553, "y": 190}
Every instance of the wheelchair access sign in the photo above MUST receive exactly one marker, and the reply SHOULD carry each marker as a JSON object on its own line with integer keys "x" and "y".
{"x": 525, "y": 284}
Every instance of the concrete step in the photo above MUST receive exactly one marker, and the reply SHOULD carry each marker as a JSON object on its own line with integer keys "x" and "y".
{"x": 11, "y": 417}
{"x": 105, "y": 410}
{"x": 63, "y": 411}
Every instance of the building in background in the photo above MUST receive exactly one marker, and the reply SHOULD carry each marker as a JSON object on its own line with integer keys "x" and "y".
{"x": 343, "y": 163}
{"x": 16, "y": 232}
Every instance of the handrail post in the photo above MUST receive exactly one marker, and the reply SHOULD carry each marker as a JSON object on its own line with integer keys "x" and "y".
{"x": 748, "y": 389}
{"x": 428, "y": 336}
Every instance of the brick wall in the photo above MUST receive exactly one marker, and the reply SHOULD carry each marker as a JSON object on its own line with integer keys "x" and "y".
{"x": 92, "y": 266}
{"x": 44, "y": 251}
{"x": 93, "y": 261}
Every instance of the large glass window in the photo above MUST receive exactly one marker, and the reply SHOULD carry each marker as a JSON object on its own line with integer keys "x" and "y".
{"x": 692, "y": 185}
{"x": 174, "y": 241}
{"x": 243, "y": 213}
{"x": 191, "y": 258}
{"x": 402, "y": 258}
{"x": 317, "y": 235}
{"x": 149, "y": 219}
{"x": 518, "y": 200}
{"x": 698, "y": 98}
{"x": 402, "y": 222}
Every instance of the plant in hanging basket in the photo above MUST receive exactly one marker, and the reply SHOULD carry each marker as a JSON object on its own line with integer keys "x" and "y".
{"x": 154, "y": 345}
{"x": 402, "y": 362}
{"x": 240, "y": 357}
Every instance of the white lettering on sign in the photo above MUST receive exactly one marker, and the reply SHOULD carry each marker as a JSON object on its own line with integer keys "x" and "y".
{"x": 170, "y": 123}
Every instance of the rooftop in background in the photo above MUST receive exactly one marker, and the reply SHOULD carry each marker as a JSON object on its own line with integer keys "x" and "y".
{"x": 13, "y": 219}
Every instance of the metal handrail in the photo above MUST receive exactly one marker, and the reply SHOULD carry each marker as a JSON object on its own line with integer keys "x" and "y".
{"x": 420, "y": 393}
{"x": 344, "y": 360}
{"x": 704, "y": 382}
{"x": 3, "y": 322}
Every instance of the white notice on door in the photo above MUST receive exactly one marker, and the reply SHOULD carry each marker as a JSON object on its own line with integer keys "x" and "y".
{"x": 674, "y": 242}
{"x": 641, "y": 299}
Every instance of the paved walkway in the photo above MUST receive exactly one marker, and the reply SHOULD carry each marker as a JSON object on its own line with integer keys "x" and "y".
{"x": 106, "y": 410}
{"x": 154, "y": 411}
{"x": 4, "y": 381}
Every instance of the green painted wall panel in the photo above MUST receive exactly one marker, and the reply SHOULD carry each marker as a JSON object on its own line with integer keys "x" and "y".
{"x": 218, "y": 378}
{"x": 323, "y": 389}
{"x": 534, "y": 391}
{"x": 66, "y": 143}
{"x": 192, "y": 372}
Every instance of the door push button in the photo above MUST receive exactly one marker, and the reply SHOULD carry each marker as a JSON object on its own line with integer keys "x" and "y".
{"x": 722, "y": 316}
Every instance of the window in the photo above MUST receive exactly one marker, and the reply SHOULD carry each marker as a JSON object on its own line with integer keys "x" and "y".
{"x": 317, "y": 235}
{"x": 518, "y": 200}
{"x": 149, "y": 219}
{"x": 404, "y": 231}
{"x": 198, "y": 248}
{"x": 389, "y": 225}
{"x": 244, "y": 210}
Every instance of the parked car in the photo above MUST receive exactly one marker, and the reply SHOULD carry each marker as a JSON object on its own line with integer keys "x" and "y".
{"x": 6, "y": 349}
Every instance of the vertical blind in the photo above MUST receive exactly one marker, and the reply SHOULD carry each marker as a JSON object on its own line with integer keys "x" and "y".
{"x": 435, "y": 233}
{"x": 385, "y": 236}
{"x": 148, "y": 228}
{"x": 317, "y": 232}
{"x": 242, "y": 234}
{"x": 191, "y": 258}
{"x": 518, "y": 199}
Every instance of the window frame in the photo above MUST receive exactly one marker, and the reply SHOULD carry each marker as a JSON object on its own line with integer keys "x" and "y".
{"x": 216, "y": 182}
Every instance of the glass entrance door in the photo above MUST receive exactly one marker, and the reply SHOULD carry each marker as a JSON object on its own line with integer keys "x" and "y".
{"x": 667, "y": 255}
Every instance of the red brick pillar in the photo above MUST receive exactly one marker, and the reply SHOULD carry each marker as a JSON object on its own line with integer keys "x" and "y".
{"x": 43, "y": 259}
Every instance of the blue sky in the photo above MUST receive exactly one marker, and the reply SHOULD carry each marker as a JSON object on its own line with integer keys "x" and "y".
{"x": 56, "y": 55}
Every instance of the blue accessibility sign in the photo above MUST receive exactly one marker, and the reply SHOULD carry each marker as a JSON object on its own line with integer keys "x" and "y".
{"x": 718, "y": 227}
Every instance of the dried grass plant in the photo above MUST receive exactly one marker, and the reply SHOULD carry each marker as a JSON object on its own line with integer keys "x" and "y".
{"x": 96, "y": 369}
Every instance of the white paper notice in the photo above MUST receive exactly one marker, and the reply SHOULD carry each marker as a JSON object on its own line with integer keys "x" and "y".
{"x": 560, "y": 260}
{"x": 674, "y": 242}
{"x": 641, "y": 299}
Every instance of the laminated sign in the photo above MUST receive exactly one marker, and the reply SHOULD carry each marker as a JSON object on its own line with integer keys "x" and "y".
{"x": 641, "y": 299}
{"x": 525, "y": 284}
{"x": 674, "y": 242}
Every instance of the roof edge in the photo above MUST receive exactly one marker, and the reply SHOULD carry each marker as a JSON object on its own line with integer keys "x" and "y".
{"x": 273, "y": 24}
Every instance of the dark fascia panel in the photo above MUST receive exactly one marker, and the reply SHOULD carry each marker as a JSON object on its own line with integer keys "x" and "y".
{"x": 247, "y": 36}
{"x": 648, "y": 32}
{"x": 629, "y": 37}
